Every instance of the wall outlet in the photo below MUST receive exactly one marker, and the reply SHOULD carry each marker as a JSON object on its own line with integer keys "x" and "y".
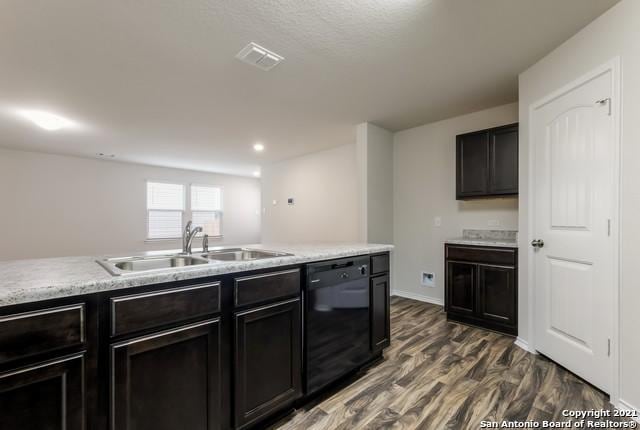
{"x": 493, "y": 223}
{"x": 428, "y": 279}
{"x": 437, "y": 221}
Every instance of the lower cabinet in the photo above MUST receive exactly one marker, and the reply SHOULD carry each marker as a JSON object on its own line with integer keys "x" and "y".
{"x": 267, "y": 360}
{"x": 168, "y": 380}
{"x": 497, "y": 295}
{"x": 481, "y": 287}
{"x": 56, "y": 386}
{"x": 461, "y": 287}
{"x": 380, "y": 329}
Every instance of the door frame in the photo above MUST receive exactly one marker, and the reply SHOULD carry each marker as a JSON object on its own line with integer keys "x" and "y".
{"x": 614, "y": 67}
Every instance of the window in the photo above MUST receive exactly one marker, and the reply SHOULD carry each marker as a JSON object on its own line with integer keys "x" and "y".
{"x": 206, "y": 209}
{"x": 168, "y": 209}
{"x": 165, "y": 208}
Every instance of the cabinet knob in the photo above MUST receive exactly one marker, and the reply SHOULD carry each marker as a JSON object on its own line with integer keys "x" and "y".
{"x": 537, "y": 243}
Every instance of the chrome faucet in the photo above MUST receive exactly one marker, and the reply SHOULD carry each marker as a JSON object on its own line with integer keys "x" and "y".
{"x": 187, "y": 237}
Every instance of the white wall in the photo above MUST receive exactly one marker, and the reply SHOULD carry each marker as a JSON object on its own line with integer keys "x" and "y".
{"x": 59, "y": 205}
{"x": 424, "y": 175}
{"x": 616, "y": 33}
{"x": 375, "y": 158}
{"x": 325, "y": 189}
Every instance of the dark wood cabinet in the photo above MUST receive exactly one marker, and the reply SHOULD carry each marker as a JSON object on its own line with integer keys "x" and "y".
{"x": 479, "y": 291}
{"x": 461, "y": 291}
{"x": 44, "y": 396}
{"x": 497, "y": 295}
{"x": 168, "y": 380}
{"x": 380, "y": 329}
{"x": 487, "y": 163}
{"x": 268, "y": 360}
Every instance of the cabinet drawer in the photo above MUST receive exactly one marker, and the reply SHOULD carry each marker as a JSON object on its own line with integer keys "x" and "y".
{"x": 379, "y": 263}
{"x": 504, "y": 256}
{"x": 137, "y": 312}
{"x": 265, "y": 287}
{"x": 30, "y": 333}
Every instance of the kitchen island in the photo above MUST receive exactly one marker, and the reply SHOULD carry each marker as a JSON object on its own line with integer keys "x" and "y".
{"x": 213, "y": 346}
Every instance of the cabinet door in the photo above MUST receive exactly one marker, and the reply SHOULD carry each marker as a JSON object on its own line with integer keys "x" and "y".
{"x": 461, "y": 288}
{"x": 497, "y": 299}
{"x": 168, "y": 380}
{"x": 503, "y": 156}
{"x": 380, "y": 330}
{"x": 46, "y": 396}
{"x": 268, "y": 360}
{"x": 472, "y": 164}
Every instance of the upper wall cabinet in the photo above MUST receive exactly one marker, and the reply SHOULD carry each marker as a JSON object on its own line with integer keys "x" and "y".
{"x": 487, "y": 163}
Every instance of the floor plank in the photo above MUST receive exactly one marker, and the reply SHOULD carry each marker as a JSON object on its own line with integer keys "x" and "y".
{"x": 443, "y": 375}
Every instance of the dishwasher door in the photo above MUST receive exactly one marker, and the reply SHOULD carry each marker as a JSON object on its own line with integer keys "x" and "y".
{"x": 337, "y": 321}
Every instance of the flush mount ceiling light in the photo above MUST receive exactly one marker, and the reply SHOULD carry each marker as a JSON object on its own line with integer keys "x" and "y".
{"x": 258, "y": 147}
{"x": 259, "y": 56}
{"x": 256, "y": 174}
{"x": 46, "y": 120}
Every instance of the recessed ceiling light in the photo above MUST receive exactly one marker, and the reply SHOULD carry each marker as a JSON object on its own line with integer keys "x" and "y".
{"x": 256, "y": 174}
{"x": 259, "y": 147}
{"x": 46, "y": 120}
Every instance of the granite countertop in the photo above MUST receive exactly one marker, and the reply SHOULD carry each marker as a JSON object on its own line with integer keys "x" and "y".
{"x": 498, "y": 238}
{"x": 23, "y": 281}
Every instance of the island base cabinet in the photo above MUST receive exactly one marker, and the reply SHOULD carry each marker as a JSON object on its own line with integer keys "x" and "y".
{"x": 168, "y": 380}
{"x": 268, "y": 360}
{"x": 45, "y": 396}
{"x": 380, "y": 328}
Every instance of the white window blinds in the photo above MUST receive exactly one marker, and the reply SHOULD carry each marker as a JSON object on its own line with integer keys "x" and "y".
{"x": 165, "y": 208}
{"x": 206, "y": 209}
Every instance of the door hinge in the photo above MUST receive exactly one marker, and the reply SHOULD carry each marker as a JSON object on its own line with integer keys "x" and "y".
{"x": 609, "y": 227}
{"x": 608, "y": 347}
{"x": 607, "y": 102}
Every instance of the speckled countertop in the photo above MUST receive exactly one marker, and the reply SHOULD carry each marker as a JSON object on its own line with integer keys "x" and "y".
{"x": 499, "y": 238}
{"x": 23, "y": 281}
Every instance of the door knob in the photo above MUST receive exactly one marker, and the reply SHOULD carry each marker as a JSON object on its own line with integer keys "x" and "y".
{"x": 537, "y": 243}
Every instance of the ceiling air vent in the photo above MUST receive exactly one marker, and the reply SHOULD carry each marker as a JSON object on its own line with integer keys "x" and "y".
{"x": 258, "y": 56}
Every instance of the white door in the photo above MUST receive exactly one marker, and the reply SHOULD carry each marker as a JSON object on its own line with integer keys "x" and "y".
{"x": 574, "y": 191}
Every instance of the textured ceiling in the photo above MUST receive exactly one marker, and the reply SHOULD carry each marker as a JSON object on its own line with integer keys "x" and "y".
{"x": 156, "y": 81}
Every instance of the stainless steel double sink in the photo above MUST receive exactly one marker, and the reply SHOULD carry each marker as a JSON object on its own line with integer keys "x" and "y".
{"x": 146, "y": 263}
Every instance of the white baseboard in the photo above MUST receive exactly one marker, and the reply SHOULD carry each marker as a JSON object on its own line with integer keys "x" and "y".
{"x": 524, "y": 345}
{"x": 624, "y": 406}
{"x": 415, "y": 296}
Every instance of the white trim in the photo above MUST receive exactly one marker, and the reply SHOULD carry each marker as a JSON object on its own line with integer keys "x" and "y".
{"x": 521, "y": 343}
{"x": 416, "y": 296}
{"x": 624, "y": 406}
{"x": 614, "y": 66}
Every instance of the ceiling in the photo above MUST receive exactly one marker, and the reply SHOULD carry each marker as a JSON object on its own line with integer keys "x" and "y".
{"x": 156, "y": 81}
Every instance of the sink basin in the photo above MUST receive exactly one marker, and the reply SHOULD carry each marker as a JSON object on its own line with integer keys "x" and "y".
{"x": 119, "y": 266}
{"x": 242, "y": 254}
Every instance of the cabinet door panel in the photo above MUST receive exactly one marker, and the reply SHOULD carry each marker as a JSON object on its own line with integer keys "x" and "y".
{"x": 268, "y": 360}
{"x": 47, "y": 396}
{"x": 503, "y": 154}
{"x": 498, "y": 298}
{"x": 461, "y": 289}
{"x": 472, "y": 164}
{"x": 380, "y": 330}
{"x": 168, "y": 380}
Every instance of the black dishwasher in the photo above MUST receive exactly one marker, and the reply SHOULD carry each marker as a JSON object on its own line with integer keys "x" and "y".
{"x": 337, "y": 320}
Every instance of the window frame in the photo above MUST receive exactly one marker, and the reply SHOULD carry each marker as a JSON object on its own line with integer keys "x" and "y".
{"x": 187, "y": 211}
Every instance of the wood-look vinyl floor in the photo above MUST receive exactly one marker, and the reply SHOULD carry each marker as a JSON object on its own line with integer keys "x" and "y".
{"x": 443, "y": 375}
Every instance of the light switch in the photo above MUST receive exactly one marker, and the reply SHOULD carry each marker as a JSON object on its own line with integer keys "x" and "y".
{"x": 437, "y": 221}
